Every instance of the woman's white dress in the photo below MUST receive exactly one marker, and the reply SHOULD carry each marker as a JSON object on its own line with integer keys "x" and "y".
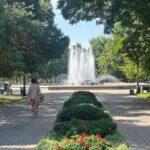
{"x": 33, "y": 93}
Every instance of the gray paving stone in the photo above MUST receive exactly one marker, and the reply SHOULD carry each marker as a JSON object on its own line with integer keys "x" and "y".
{"x": 132, "y": 116}
{"x": 19, "y": 130}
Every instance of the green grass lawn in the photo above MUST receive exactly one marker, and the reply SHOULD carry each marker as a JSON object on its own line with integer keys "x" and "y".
{"x": 144, "y": 95}
{"x": 6, "y": 99}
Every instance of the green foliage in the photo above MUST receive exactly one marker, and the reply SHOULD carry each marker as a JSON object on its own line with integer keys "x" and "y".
{"x": 129, "y": 68}
{"x": 122, "y": 147}
{"x": 81, "y": 111}
{"x": 57, "y": 66}
{"x": 53, "y": 141}
{"x": 6, "y": 99}
{"x": 107, "y": 60}
{"x": 146, "y": 63}
{"x": 116, "y": 137}
{"x": 120, "y": 61}
{"x": 129, "y": 44}
{"x": 80, "y": 142}
{"x": 83, "y": 93}
{"x": 144, "y": 95}
{"x": 82, "y": 98}
{"x": 28, "y": 33}
{"x": 84, "y": 141}
{"x": 44, "y": 144}
{"x": 106, "y": 11}
{"x": 76, "y": 126}
{"x": 132, "y": 15}
{"x": 98, "y": 45}
{"x": 75, "y": 133}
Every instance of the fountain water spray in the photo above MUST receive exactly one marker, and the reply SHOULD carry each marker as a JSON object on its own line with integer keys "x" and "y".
{"x": 81, "y": 66}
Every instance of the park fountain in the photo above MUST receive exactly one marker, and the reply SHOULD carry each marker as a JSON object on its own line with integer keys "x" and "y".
{"x": 81, "y": 69}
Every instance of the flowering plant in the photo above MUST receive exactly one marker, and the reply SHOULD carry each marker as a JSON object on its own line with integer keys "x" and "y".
{"x": 84, "y": 142}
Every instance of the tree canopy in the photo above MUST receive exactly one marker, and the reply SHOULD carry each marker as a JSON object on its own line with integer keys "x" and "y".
{"x": 132, "y": 15}
{"x": 28, "y": 35}
{"x": 106, "y": 12}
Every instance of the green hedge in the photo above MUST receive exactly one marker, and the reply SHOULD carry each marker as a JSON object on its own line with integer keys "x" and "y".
{"x": 76, "y": 126}
{"x": 81, "y": 111}
{"x": 83, "y": 114}
{"x": 81, "y": 99}
{"x": 85, "y": 93}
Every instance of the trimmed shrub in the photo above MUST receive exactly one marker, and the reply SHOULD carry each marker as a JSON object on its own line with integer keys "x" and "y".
{"x": 85, "y": 93}
{"x": 76, "y": 126}
{"x": 79, "y": 99}
{"x": 82, "y": 111}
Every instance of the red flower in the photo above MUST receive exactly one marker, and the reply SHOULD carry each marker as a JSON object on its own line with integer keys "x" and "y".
{"x": 97, "y": 136}
{"x": 84, "y": 135}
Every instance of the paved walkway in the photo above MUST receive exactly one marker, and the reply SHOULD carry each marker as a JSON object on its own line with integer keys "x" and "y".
{"x": 18, "y": 130}
{"x": 132, "y": 116}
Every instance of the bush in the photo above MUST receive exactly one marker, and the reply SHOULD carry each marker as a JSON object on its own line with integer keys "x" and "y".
{"x": 82, "y": 111}
{"x": 82, "y": 99}
{"x": 84, "y": 142}
{"x": 85, "y": 93}
{"x": 76, "y": 126}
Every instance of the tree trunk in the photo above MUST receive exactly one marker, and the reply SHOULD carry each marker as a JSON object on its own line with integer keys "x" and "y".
{"x": 137, "y": 80}
{"x": 46, "y": 79}
{"x": 24, "y": 85}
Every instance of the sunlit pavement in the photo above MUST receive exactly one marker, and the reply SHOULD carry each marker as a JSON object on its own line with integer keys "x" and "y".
{"x": 18, "y": 130}
{"x": 131, "y": 115}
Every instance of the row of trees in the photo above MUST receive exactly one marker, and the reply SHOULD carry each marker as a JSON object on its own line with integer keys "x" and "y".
{"x": 132, "y": 38}
{"x": 117, "y": 64}
{"x": 29, "y": 37}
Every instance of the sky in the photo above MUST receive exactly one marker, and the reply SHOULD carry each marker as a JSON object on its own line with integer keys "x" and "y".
{"x": 81, "y": 32}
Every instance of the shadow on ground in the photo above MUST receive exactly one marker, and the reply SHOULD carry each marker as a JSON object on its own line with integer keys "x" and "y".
{"x": 19, "y": 130}
{"x": 131, "y": 115}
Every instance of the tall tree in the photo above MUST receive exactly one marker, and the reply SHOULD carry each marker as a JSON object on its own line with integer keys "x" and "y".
{"x": 130, "y": 42}
{"x": 129, "y": 68}
{"x": 133, "y": 15}
{"x": 98, "y": 45}
{"x": 28, "y": 33}
{"x": 107, "y": 12}
{"x": 28, "y": 29}
{"x": 107, "y": 60}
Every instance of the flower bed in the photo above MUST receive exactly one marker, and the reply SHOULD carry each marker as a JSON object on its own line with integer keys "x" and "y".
{"x": 77, "y": 126}
{"x": 83, "y": 125}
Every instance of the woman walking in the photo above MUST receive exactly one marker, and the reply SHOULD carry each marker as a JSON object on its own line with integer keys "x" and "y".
{"x": 34, "y": 96}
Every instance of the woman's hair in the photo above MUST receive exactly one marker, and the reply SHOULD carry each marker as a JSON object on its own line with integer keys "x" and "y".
{"x": 34, "y": 81}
